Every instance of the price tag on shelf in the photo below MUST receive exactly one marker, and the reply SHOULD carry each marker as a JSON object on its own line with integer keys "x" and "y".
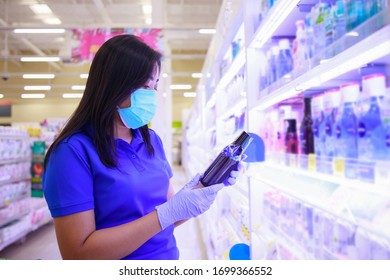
{"x": 312, "y": 166}
{"x": 339, "y": 167}
{"x": 382, "y": 173}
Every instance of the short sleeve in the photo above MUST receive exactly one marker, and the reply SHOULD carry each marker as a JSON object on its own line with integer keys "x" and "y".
{"x": 68, "y": 182}
{"x": 160, "y": 149}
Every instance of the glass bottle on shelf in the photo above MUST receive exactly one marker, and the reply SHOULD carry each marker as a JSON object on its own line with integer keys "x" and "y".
{"x": 291, "y": 138}
{"x": 306, "y": 136}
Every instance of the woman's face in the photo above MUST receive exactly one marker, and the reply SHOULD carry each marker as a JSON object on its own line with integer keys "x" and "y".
{"x": 151, "y": 83}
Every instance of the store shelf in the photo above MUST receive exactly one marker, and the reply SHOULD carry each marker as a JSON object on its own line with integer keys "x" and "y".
{"x": 236, "y": 66}
{"x": 13, "y": 180}
{"x": 352, "y": 58}
{"x": 275, "y": 17}
{"x": 235, "y": 109}
{"x": 15, "y": 160}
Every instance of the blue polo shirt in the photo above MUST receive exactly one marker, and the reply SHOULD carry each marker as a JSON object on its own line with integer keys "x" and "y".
{"x": 75, "y": 180}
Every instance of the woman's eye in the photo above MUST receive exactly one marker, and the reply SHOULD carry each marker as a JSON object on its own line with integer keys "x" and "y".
{"x": 146, "y": 87}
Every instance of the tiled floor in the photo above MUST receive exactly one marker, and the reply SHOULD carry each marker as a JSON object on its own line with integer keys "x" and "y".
{"x": 42, "y": 243}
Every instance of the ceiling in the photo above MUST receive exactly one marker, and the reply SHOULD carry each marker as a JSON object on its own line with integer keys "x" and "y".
{"x": 180, "y": 20}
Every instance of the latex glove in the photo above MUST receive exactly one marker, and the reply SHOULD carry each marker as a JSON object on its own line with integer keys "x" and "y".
{"x": 232, "y": 179}
{"x": 187, "y": 203}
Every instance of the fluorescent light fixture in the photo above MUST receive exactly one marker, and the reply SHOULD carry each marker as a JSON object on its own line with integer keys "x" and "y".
{"x": 41, "y": 9}
{"x": 39, "y": 30}
{"x": 78, "y": 87}
{"x": 84, "y": 76}
{"x": 37, "y": 87}
{"x": 352, "y": 34}
{"x": 189, "y": 94}
{"x": 207, "y": 31}
{"x": 180, "y": 87}
{"x": 165, "y": 75}
{"x": 40, "y": 59}
{"x": 33, "y": 95}
{"x": 52, "y": 21}
{"x": 1, "y": 95}
{"x": 72, "y": 95}
{"x": 196, "y": 75}
{"x": 147, "y": 9}
{"x": 38, "y": 76}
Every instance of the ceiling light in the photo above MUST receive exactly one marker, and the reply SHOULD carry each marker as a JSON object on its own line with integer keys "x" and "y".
{"x": 147, "y": 9}
{"x": 189, "y": 94}
{"x": 78, "y": 87}
{"x": 52, "y": 21}
{"x": 38, "y": 76}
{"x": 72, "y": 95}
{"x": 41, "y": 9}
{"x": 1, "y": 95}
{"x": 40, "y": 59}
{"x": 197, "y": 75}
{"x": 84, "y": 76}
{"x": 165, "y": 75}
{"x": 37, "y": 87}
{"x": 207, "y": 31}
{"x": 180, "y": 86}
{"x": 33, "y": 95}
{"x": 39, "y": 30}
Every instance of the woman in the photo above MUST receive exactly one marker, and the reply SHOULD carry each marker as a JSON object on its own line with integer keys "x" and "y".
{"x": 106, "y": 177}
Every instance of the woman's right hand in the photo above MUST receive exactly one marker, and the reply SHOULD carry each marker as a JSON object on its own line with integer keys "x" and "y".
{"x": 187, "y": 203}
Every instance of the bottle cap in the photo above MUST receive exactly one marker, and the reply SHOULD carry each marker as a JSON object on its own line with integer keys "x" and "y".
{"x": 318, "y": 102}
{"x": 374, "y": 85}
{"x": 350, "y": 92}
{"x": 300, "y": 23}
{"x": 284, "y": 44}
{"x": 275, "y": 50}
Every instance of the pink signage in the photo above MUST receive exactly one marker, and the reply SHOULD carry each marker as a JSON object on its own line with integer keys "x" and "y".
{"x": 86, "y": 42}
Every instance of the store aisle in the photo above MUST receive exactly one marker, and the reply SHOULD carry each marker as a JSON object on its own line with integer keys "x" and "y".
{"x": 42, "y": 244}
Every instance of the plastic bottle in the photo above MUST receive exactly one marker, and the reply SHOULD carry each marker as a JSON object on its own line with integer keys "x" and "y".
{"x": 309, "y": 35}
{"x": 285, "y": 59}
{"x": 274, "y": 64}
{"x": 306, "y": 135}
{"x": 386, "y": 122}
{"x": 331, "y": 105}
{"x": 355, "y": 13}
{"x": 291, "y": 138}
{"x": 226, "y": 161}
{"x": 347, "y": 128}
{"x": 301, "y": 49}
{"x": 318, "y": 22}
{"x": 318, "y": 124}
{"x": 328, "y": 24}
{"x": 371, "y": 131}
{"x": 339, "y": 22}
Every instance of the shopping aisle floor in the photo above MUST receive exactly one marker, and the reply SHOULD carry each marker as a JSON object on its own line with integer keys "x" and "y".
{"x": 42, "y": 244}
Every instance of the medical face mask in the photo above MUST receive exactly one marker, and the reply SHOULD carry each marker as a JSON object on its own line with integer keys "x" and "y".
{"x": 142, "y": 109}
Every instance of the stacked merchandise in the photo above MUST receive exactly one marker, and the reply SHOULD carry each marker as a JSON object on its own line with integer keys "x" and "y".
{"x": 19, "y": 212}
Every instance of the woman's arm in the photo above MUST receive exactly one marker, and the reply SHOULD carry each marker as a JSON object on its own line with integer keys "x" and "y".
{"x": 78, "y": 238}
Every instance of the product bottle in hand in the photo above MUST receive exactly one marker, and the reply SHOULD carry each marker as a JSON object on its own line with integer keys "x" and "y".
{"x": 226, "y": 161}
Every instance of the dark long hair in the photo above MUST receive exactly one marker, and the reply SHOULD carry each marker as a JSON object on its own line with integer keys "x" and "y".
{"x": 122, "y": 64}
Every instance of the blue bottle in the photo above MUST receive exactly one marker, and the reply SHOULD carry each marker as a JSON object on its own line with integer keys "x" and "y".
{"x": 318, "y": 125}
{"x": 339, "y": 19}
{"x": 331, "y": 107}
{"x": 347, "y": 128}
{"x": 371, "y": 142}
{"x": 356, "y": 13}
{"x": 285, "y": 59}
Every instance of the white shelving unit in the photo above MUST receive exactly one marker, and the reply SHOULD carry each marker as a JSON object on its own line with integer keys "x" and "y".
{"x": 281, "y": 210}
{"x": 19, "y": 212}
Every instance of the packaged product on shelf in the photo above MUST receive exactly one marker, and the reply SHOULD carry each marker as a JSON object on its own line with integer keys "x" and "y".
{"x": 318, "y": 23}
{"x": 273, "y": 73}
{"x": 347, "y": 129}
{"x": 301, "y": 53}
{"x": 306, "y": 135}
{"x": 371, "y": 131}
{"x": 309, "y": 35}
{"x": 331, "y": 106}
{"x": 355, "y": 13}
{"x": 339, "y": 19}
{"x": 285, "y": 60}
{"x": 318, "y": 124}
{"x": 291, "y": 137}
